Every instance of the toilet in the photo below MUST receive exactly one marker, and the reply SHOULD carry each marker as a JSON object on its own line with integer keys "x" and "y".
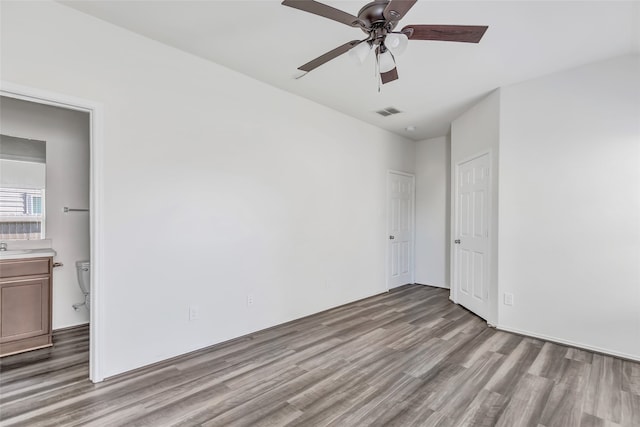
{"x": 83, "y": 269}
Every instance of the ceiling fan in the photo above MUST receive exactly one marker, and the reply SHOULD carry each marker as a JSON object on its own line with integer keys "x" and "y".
{"x": 378, "y": 19}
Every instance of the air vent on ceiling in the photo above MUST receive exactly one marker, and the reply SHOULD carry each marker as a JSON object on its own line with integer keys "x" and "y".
{"x": 389, "y": 111}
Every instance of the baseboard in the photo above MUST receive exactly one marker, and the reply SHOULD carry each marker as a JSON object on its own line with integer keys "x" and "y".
{"x": 570, "y": 343}
{"x": 432, "y": 285}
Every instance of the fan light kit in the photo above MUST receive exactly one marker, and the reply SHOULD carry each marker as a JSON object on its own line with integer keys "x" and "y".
{"x": 378, "y": 20}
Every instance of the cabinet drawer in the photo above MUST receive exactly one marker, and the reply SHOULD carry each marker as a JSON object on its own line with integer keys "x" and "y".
{"x": 25, "y": 267}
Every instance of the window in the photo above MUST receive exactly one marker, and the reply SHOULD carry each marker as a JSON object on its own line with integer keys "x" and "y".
{"x": 21, "y": 213}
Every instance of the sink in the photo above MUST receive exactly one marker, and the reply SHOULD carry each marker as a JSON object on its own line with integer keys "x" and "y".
{"x": 26, "y": 253}
{"x": 9, "y": 252}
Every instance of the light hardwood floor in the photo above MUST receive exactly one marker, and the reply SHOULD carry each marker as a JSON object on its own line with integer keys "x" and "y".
{"x": 408, "y": 357}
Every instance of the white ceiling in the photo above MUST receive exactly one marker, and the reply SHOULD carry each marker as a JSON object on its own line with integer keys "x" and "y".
{"x": 438, "y": 80}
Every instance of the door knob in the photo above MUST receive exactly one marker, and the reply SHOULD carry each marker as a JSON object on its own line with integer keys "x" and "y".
{"x": 392, "y": 237}
{"x": 457, "y": 241}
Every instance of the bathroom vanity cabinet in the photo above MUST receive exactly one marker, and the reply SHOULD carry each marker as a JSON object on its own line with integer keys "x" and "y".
{"x": 25, "y": 304}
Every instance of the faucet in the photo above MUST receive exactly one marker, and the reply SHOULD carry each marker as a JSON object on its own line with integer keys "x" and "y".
{"x": 3, "y": 246}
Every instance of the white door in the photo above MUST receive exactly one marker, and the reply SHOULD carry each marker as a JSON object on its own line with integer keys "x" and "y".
{"x": 400, "y": 225}
{"x": 471, "y": 235}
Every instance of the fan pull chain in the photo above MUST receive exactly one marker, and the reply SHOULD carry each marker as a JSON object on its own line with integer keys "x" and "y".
{"x": 377, "y": 70}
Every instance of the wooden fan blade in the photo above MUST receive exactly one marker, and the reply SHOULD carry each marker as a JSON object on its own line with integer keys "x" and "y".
{"x": 447, "y": 33}
{"x": 396, "y": 9}
{"x": 325, "y": 11}
{"x": 389, "y": 76}
{"x": 332, "y": 54}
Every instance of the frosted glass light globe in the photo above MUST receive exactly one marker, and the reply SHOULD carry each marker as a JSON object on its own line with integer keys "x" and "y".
{"x": 386, "y": 62}
{"x": 360, "y": 52}
{"x": 396, "y": 43}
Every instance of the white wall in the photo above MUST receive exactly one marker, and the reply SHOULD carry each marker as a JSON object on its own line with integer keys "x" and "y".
{"x": 433, "y": 158}
{"x": 66, "y": 133}
{"x": 570, "y": 206}
{"x": 215, "y": 186}
{"x": 475, "y": 132}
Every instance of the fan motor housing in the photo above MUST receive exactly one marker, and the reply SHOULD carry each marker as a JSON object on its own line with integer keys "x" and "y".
{"x": 372, "y": 14}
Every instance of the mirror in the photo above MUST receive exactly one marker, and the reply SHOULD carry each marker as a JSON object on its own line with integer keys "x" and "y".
{"x": 22, "y": 188}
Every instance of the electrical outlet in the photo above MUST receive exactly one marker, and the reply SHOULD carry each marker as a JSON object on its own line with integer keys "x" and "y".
{"x": 508, "y": 298}
{"x": 194, "y": 313}
{"x": 249, "y": 300}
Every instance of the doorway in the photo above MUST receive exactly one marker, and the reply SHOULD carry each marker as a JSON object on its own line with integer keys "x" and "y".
{"x": 94, "y": 114}
{"x": 400, "y": 226}
{"x": 471, "y": 249}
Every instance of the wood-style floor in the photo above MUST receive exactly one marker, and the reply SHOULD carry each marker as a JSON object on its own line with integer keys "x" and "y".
{"x": 409, "y": 357}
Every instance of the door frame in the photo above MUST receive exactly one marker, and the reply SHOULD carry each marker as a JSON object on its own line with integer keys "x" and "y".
{"x": 453, "y": 294}
{"x": 96, "y": 229}
{"x": 413, "y": 225}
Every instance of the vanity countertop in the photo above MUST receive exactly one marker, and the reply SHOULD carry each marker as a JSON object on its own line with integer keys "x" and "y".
{"x": 26, "y": 253}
